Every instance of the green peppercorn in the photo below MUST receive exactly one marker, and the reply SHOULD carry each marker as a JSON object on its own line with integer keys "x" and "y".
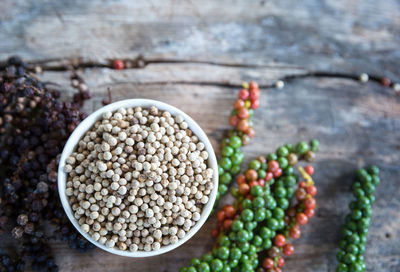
{"x": 278, "y": 213}
{"x": 272, "y": 157}
{"x": 256, "y": 191}
{"x": 204, "y": 267}
{"x": 235, "y": 141}
{"x": 280, "y": 191}
{"x": 216, "y": 265}
{"x": 207, "y": 258}
{"x": 191, "y": 269}
{"x": 237, "y": 225}
{"x": 226, "y": 178}
{"x": 246, "y": 204}
{"x": 349, "y": 258}
{"x": 257, "y": 241}
{"x": 340, "y": 255}
{"x": 220, "y": 170}
{"x": 237, "y": 158}
{"x": 272, "y": 223}
{"x": 235, "y": 169}
{"x": 259, "y": 215}
{"x": 283, "y": 162}
{"x": 232, "y": 236}
{"x": 222, "y": 189}
{"x": 195, "y": 262}
{"x": 261, "y": 174}
{"x": 267, "y": 244}
{"x": 302, "y": 147}
{"x": 282, "y": 151}
{"x": 258, "y": 202}
{"x": 226, "y": 163}
{"x": 183, "y": 269}
{"x": 314, "y": 143}
{"x": 352, "y": 248}
{"x": 250, "y": 226}
{"x": 255, "y": 164}
{"x": 223, "y": 253}
{"x": 226, "y": 268}
{"x": 342, "y": 268}
{"x": 223, "y": 241}
{"x": 227, "y": 151}
{"x": 236, "y": 253}
{"x": 244, "y": 246}
{"x": 233, "y": 263}
{"x": 243, "y": 236}
{"x": 289, "y": 147}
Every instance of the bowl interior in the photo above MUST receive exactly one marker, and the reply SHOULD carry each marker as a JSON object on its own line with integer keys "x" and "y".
{"x": 88, "y": 123}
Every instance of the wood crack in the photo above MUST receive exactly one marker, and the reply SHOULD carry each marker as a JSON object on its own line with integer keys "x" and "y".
{"x": 60, "y": 65}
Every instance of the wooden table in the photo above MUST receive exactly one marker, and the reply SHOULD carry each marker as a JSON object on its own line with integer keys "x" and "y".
{"x": 194, "y": 55}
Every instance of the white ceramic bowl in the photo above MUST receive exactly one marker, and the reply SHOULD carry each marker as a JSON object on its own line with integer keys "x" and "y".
{"x": 86, "y": 124}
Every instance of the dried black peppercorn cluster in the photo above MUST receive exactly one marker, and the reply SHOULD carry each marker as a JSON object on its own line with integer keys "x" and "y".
{"x": 34, "y": 126}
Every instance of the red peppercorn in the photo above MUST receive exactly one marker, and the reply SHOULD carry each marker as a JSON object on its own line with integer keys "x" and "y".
{"x": 243, "y": 113}
{"x": 230, "y": 211}
{"x": 277, "y": 269}
{"x": 240, "y": 179}
{"x": 251, "y": 174}
{"x": 280, "y": 262}
{"x": 385, "y": 82}
{"x": 295, "y": 232}
{"x": 254, "y": 94}
{"x": 268, "y": 263}
{"x": 309, "y": 170}
{"x": 272, "y": 166}
{"x": 309, "y": 212}
{"x": 118, "y": 64}
{"x": 311, "y": 190}
{"x": 227, "y": 224}
{"x": 250, "y": 132}
{"x": 269, "y": 176}
{"x": 301, "y": 219}
{"x": 288, "y": 250}
{"x": 253, "y": 85}
{"x": 279, "y": 240}
{"x": 254, "y": 183}
{"x": 221, "y": 215}
{"x": 302, "y": 184}
{"x": 243, "y": 125}
{"x": 278, "y": 172}
{"x": 255, "y": 104}
{"x": 310, "y": 203}
{"x": 300, "y": 194}
{"x": 214, "y": 233}
{"x": 238, "y": 104}
{"x": 243, "y": 94}
{"x": 244, "y": 189}
{"x": 261, "y": 182}
{"x": 233, "y": 120}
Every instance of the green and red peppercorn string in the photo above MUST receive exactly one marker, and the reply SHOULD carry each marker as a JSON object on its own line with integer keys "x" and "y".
{"x": 231, "y": 155}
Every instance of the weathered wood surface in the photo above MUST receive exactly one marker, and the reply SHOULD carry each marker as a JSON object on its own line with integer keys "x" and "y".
{"x": 196, "y": 52}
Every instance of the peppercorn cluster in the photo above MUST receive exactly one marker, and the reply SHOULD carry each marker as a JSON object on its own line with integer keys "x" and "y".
{"x": 34, "y": 125}
{"x": 355, "y": 230}
{"x": 240, "y": 119}
{"x": 256, "y": 222}
{"x": 138, "y": 179}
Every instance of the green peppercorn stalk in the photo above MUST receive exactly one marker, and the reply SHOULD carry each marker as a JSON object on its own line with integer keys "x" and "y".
{"x": 259, "y": 219}
{"x": 355, "y": 229}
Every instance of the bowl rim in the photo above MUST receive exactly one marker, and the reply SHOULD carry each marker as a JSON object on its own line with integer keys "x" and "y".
{"x": 88, "y": 122}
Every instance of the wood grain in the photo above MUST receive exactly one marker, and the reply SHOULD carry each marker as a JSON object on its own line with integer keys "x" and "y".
{"x": 196, "y": 52}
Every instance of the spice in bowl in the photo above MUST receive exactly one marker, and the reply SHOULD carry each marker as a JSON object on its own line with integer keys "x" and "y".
{"x": 138, "y": 179}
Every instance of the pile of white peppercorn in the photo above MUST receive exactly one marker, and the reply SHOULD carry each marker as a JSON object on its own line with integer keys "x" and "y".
{"x": 138, "y": 179}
